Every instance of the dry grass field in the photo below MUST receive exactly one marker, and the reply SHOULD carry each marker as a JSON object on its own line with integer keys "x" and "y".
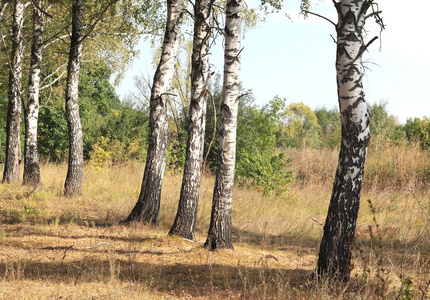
{"x": 53, "y": 247}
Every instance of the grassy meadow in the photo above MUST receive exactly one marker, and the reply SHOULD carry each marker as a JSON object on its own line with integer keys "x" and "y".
{"x": 55, "y": 247}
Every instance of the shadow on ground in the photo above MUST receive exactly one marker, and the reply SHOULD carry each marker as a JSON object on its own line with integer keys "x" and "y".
{"x": 201, "y": 280}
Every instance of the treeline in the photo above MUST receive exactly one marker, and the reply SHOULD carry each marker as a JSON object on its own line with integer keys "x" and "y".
{"x": 104, "y": 118}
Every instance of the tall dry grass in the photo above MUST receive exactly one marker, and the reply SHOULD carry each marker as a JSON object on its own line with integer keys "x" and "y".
{"x": 75, "y": 248}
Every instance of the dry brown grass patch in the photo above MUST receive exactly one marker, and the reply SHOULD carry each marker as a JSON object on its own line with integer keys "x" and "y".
{"x": 53, "y": 246}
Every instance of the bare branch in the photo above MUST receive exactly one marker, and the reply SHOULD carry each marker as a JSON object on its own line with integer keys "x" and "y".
{"x": 334, "y": 40}
{"x": 237, "y": 56}
{"x": 240, "y": 96}
{"x": 41, "y": 10}
{"x": 376, "y": 13}
{"x": 55, "y": 40}
{"x": 372, "y": 14}
{"x": 188, "y": 12}
{"x": 52, "y": 74}
{"x": 322, "y": 17}
{"x": 56, "y": 79}
{"x": 363, "y": 49}
{"x": 169, "y": 94}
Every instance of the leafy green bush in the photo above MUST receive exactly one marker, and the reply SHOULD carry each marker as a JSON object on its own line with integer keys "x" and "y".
{"x": 418, "y": 130}
{"x": 268, "y": 172}
{"x": 258, "y": 160}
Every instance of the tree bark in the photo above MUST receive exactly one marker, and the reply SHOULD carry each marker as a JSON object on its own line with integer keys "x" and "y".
{"x": 335, "y": 251}
{"x": 187, "y": 209}
{"x": 75, "y": 171}
{"x": 219, "y": 235}
{"x": 13, "y": 142}
{"x": 148, "y": 204}
{"x": 31, "y": 157}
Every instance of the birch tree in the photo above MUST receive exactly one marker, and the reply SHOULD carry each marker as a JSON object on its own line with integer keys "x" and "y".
{"x": 334, "y": 258}
{"x": 148, "y": 203}
{"x": 187, "y": 209}
{"x": 219, "y": 235}
{"x": 31, "y": 175}
{"x": 74, "y": 179}
{"x": 75, "y": 171}
{"x": 11, "y": 171}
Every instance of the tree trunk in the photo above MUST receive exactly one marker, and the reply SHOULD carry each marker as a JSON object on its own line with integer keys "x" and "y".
{"x": 148, "y": 204}
{"x": 335, "y": 251}
{"x": 3, "y": 5}
{"x": 31, "y": 156}
{"x": 13, "y": 142}
{"x": 188, "y": 201}
{"x": 219, "y": 235}
{"x": 75, "y": 172}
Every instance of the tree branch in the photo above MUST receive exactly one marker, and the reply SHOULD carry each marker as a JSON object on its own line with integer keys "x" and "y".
{"x": 334, "y": 40}
{"x": 93, "y": 26}
{"x": 372, "y": 14}
{"x": 363, "y": 49}
{"x": 317, "y": 15}
{"x": 55, "y": 37}
{"x": 52, "y": 40}
{"x": 188, "y": 12}
{"x": 56, "y": 79}
{"x": 41, "y": 10}
{"x": 52, "y": 74}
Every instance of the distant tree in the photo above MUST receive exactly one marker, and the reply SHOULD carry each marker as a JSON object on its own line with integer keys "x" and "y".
{"x": 219, "y": 235}
{"x": 148, "y": 203}
{"x": 334, "y": 258}
{"x": 187, "y": 208}
{"x": 11, "y": 171}
{"x": 418, "y": 130}
{"x": 382, "y": 125}
{"x": 299, "y": 127}
{"x": 103, "y": 115}
{"x": 329, "y": 122}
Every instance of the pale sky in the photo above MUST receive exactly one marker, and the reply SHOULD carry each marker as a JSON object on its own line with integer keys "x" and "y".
{"x": 295, "y": 59}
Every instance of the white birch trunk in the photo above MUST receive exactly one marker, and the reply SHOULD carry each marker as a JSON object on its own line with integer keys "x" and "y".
{"x": 148, "y": 204}
{"x": 187, "y": 208}
{"x": 219, "y": 235}
{"x": 75, "y": 171}
{"x": 13, "y": 143}
{"x": 31, "y": 175}
{"x": 335, "y": 251}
